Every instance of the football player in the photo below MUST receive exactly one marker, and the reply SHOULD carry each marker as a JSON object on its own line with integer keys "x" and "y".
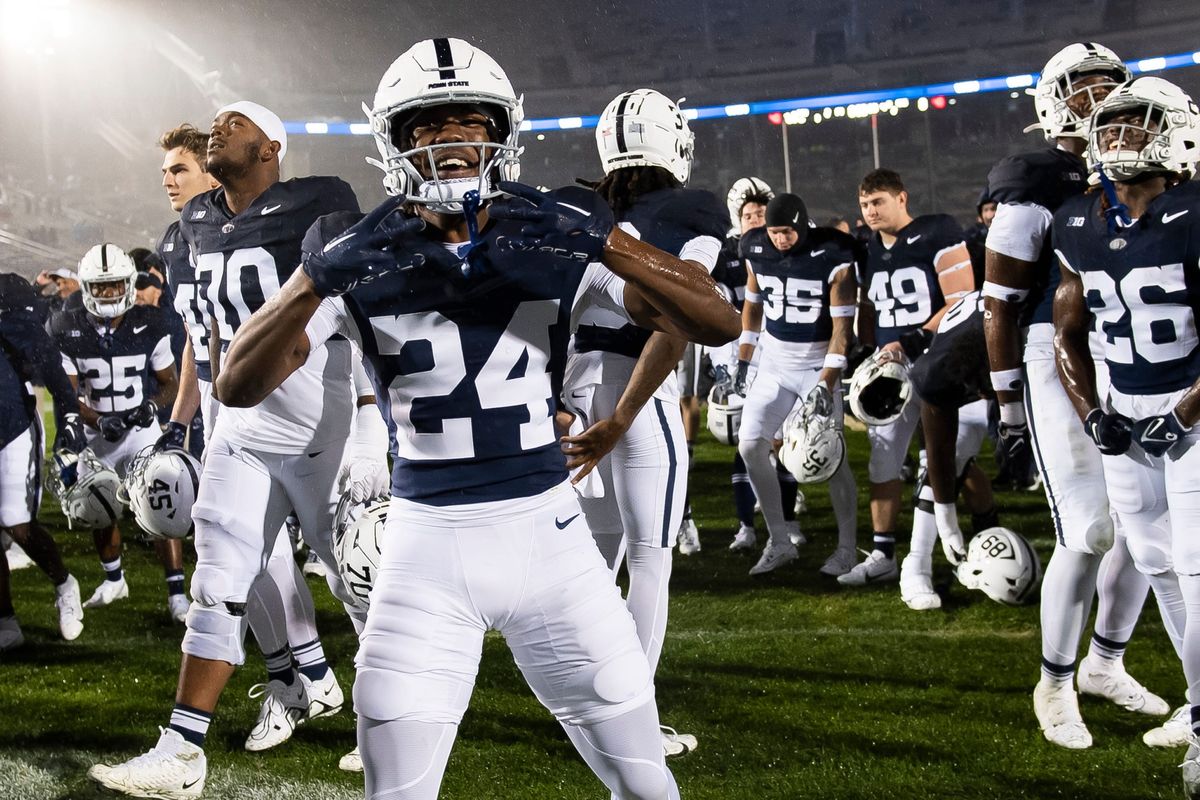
{"x": 1130, "y": 255}
{"x": 280, "y": 612}
{"x": 110, "y": 347}
{"x": 28, "y": 355}
{"x": 463, "y": 304}
{"x": 915, "y": 270}
{"x": 620, "y": 379}
{"x": 1022, "y": 275}
{"x": 803, "y": 280}
{"x": 261, "y": 463}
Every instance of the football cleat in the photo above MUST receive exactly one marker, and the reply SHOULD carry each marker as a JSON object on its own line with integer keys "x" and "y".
{"x": 177, "y": 606}
{"x": 744, "y": 539}
{"x": 801, "y": 505}
{"x": 324, "y": 695}
{"x": 794, "y": 535}
{"x": 108, "y": 592}
{"x": 314, "y": 566}
{"x": 283, "y": 708}
{"x": 1191, "y": 769}
{"x": 1057, "y": 711}
{"x": 173, "y": 770}
{"x": 351, "y": 762}
{"x": 1172, "y": 733}
{"x": 841, "y": 562}
{"x": 875, "y": 568}
{"x": 916, "y": 584}
{"x": 689, "y": 537}
{"x": 1108, "y": 679}
{"x": 70, "y": 610}
{"x": 675, "y": 743}
{"x": 773, "y": 557}
{"x": 10, "y": 634}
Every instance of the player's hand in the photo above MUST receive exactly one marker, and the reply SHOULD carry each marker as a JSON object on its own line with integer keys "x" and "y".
{"x": 1157, "y": 435}
{"x": 892, "y": 351}
{"x": 365, "y": 478}
{"x": 68, "y": 469}
{"x": 741, "y": 377}
{"x": 953, "y": 545}
{"x": 112, "y": 427}
{"x": 1015, "y": 445}
{"x": 587, "y": 449}
{"x": 820, "y": 399}
{"x": 721, "y": 375}
{"x": 143, "y": 416}
{"x": 173, "y": 437}
{"x": 70, "y": 436}
{"x": 574, "y": 223}
{"x": 1112, "y": 433}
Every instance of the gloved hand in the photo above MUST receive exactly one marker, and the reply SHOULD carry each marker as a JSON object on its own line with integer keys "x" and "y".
{"x": 173, "y": 437}
{"x": 1015, "y": 445}
{"x": 364, "y": 479}
{"x": 112, "y": 427}
{"x": 820, "y": 399}
{"x": 70, "y": 436}
{"x": 721, "y": 374}
{"x": 953, "y": 544}
{"x": 574, "y": 223}
{"x": 143, "y": 416}
{"x": 1157, "y": 435}
{"x": 740, "y": 377}
{"x": 1112, "y": 433}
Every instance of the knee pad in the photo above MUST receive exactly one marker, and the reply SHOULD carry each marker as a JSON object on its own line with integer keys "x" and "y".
{"x": 1150, "y": 548}
{"x": 216, "y": 632}
{"x": 751, "y": 449}
{"x": 621, "y": 679}
{"x": 382, "y": 694}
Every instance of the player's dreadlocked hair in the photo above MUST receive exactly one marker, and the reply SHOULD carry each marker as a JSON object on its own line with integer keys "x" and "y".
{"x": 191, "y": 139}
{"x": 621, "y": 187}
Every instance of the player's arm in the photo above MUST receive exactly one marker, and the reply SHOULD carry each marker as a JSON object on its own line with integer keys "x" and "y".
{"x": 1071, "y": 324}
{"x": 89, "y": 415}
{"x": 752, "y": 318}
{"x": 955, "y": 277}
{"x": 843, "y": 292}
{"x": 23, "y": 335}
{"x": 168, "y": 386}
{"x": 187, "y": 397}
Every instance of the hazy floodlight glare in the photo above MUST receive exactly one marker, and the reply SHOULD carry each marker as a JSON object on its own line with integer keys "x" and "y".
{"x": 35, "y": 26}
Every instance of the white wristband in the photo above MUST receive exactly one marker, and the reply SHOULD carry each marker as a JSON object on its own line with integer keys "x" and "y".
{"x": 753, "y": 297}
{"x": 1013, "y": 414}
{"x": 370, "y": 434}
{"x": 1008, "y": 380}
{"x": 1005, "y": 293}
{"x": 842, "y": 311}
{"x": 834, "y": 361}
{"x": 749, "y": 337}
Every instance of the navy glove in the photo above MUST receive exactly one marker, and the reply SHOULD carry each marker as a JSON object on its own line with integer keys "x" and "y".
{"x": 739, "y": 378}
{"x": 1013, "y": 443}
{"x": 821, "y": 400}
{"x": 574, "y": 223}
{"x": 1159, "y": 434}
{"x": 172, "y": 438}
{"x": 721, "y": 374}
{"x": 143, "y": 416}
{"x": 1112, "y": 433}
{"x": 70, "y": 436}
{"x": 380, "y": 243}
{"x": 112, "y": 427}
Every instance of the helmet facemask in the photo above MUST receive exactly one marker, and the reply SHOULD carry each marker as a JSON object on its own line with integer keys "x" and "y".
{"x": 113, "y": 302}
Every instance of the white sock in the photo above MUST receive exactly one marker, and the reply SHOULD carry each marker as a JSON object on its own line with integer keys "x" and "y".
{"x": 757, "y": 455}
{"x": 843, "y": 496}
{"x": 1067, "y": 591}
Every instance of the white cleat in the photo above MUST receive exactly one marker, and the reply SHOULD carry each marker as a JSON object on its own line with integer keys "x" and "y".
{"x": 773, "y": 557}
{"x": 325, "y": 697}
{"x": 794, "y": 535}
{"x": 1172, "y": 733}
{"x": 1191, "y": 770}
{"x": 744, "y": 539}
{"x": 801, "y": 504}
{"x": 841, "y": 562}
{"x": 108, "y": 592}
{"x": 314, "y": 566}
{"x": 675, "y": 743}
{"x": 70, "y": 610}
{"x": 178, "y": 605}
{"x": 1108, "y": 679}
{"x": 10, "y": 634}
{"x": 1057, "y": 710}
{"x": 173, "y": 770}
{"x": 689, "y": 537}
{"x": 916, "y": 584}
{"x": 351, "y": 762}
{"x": 875, "y": 568}
{"x": 18, "y": 558}
{"x": 283, "y": 708}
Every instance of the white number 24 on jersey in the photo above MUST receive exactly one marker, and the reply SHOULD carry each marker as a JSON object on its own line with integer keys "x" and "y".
{"x": 526, "y": 337}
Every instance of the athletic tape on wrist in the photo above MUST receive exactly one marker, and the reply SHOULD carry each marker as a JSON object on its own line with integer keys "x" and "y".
{"x": 1013, "y": 414}
{"x": 753, "y": 297}
{"x": 842, "y": 311}
{"x": 1005, "y": 293}
{"x": 1008, "y": 380}
{"x": 834, "y": 361}
{"x": 748, "y": 337}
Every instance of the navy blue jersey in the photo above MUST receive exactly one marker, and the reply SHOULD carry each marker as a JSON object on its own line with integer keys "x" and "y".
{"x": 466, "y": 370}
{"x": 27, "y": 354}
{"x": 1047, "y": 178}
{"x": 1142, "y": 284}
{"x": 668, "y": 219}
{"x": 242, "y": 260}
{"x": 188, "y": 295}
{"x": 731, "y": 270}
{"x": 901, "y": 281}
{"x": 954, "y": 370}
{"x": 794, "y": 285}
{"x": 113, "y": 365}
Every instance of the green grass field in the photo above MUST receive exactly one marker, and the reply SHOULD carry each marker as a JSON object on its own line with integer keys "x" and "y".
{"x": 795, "y": 687}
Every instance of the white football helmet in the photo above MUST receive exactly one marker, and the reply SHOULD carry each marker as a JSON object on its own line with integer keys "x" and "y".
{"x": 439, "y": 72}
{"x": 812, "y": 447}
{"x": 92, "y": 500}
{"x": 358, "y": 545}
{"x": 1057, "y": 85}
{"x": 107, "y": 263}
{"x": 160, "y": 488}
{"x": 741, "y": 189}
{"x": 1002, "y": 565}
{"x": 725, "y": 413}
{"x": 880, "y": 390}
{"x": 645, "y": 128}
{"x": 1165, "y": 139}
